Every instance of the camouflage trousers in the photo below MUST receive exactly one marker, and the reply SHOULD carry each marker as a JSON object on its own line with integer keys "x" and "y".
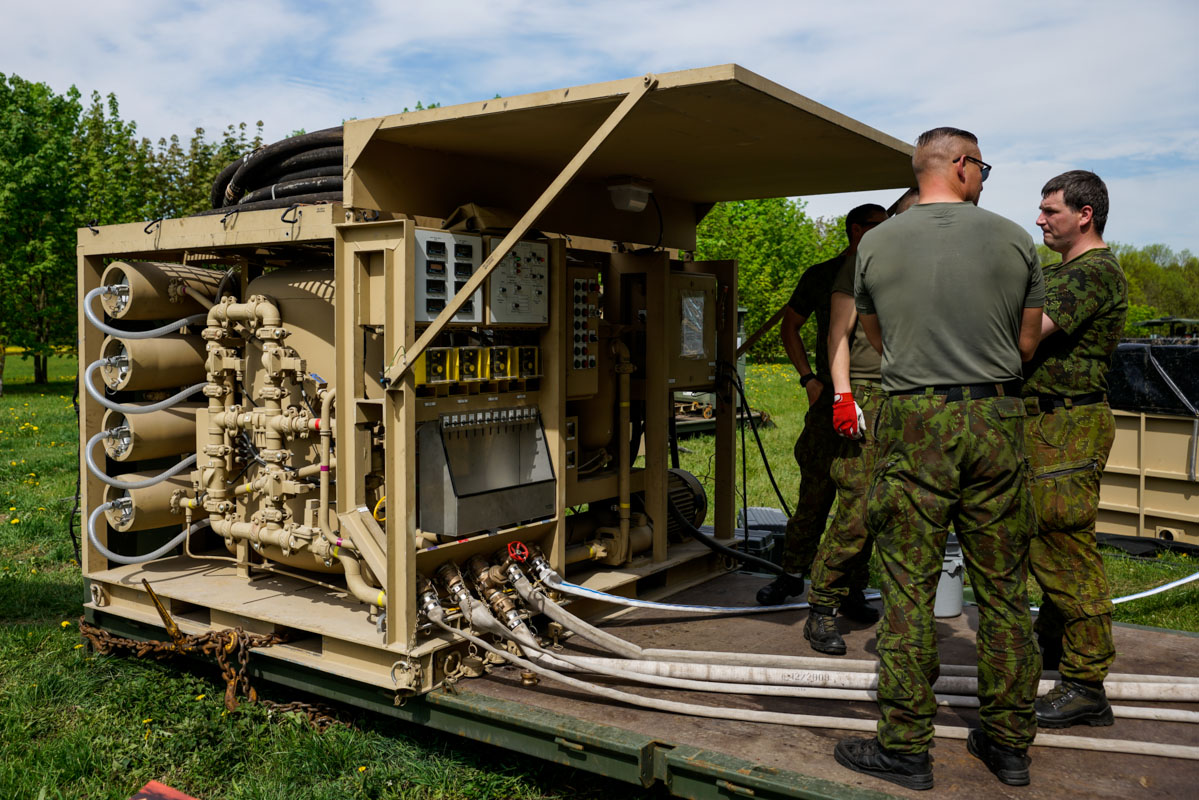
{"x": 960, "y": 463}
{"x": 815, "y": 448}
{"x": 1067, "y": 451}
{"x": 842, "y": 560}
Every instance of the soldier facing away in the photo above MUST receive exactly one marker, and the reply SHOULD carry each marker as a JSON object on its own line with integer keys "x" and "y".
{"x": 817, "y": 444}
{"x": 1068, "y": 436}
{"x": 951, "y": 295}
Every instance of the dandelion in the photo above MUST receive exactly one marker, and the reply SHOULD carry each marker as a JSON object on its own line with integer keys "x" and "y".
{"x": 65, "y": 623}
{"x": 201, "y": 696}
{"x": 362, "y": 769}
{"x": 147, "y": 720}
{"x": 78, "y": 646}
{"x": 13, "y": 521}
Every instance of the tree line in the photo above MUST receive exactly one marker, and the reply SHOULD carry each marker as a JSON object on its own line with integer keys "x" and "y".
{"x": 66, "y": 164}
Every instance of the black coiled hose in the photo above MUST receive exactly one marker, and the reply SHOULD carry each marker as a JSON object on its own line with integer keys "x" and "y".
{"x": 301, "y": 169}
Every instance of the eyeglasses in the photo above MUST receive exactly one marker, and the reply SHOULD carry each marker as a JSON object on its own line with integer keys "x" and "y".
{"x": 983, "y": 166}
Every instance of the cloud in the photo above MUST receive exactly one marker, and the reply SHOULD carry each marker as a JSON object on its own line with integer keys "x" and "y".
{"x": 1105, "y": 84}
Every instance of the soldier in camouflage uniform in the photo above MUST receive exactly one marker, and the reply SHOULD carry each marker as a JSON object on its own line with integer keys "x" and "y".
{"x": 817, "y": 444}
{"x": 951, "y": 295}
{"x": 1068, "y": 437}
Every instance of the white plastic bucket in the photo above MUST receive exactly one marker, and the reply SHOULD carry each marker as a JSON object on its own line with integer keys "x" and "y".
{"x": 952, "y": 582}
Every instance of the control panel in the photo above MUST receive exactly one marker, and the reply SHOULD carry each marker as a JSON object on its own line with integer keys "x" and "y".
{"x": 518, "y": 289}
{"x": 444, "y": 263}
{"x": 582, "y": 324}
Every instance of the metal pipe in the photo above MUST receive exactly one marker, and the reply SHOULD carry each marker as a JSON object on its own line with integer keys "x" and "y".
{"x": 363, "y": 591}
{"x": 624, "y": 465}
{"x": 326, "y": 432}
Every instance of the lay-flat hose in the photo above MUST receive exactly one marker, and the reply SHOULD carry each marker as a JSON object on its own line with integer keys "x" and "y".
{"x": 99, "y": 397}
{"x": 94, "y": 468}
{"x": 170, "y": 327}
{"x": 437, "y": 617}
{"x": 94, "y": 538}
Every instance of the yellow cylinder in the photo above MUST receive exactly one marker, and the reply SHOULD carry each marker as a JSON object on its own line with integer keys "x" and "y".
{"x": 155, "y": 290}
{"x": 165, "y": 362}
{"x": 151, "y": 505}
{"x": 169, "y": 432}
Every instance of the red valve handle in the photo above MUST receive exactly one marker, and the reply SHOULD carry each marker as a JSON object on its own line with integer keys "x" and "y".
{"x": 518, "y": 551}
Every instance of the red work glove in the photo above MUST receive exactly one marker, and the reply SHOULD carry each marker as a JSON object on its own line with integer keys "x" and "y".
{"x": 847, "y": 416}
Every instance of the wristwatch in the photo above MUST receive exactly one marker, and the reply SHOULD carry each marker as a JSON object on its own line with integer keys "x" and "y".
{"x": 804, "y": 380}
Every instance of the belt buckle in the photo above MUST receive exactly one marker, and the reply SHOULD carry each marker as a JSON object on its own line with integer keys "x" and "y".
{"x": 1046, "y": 404}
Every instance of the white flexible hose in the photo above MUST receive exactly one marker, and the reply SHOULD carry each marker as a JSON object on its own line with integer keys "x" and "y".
{"x": 99, "y": 397}
{"x": 94, "y": 468}
{"x": 540, "y": 603}
{"x": 94, "y": 538}
{"x": 437, "y": 617}
{"x": 562, "y": 661}
{"x": 171, "y": 327}
{"x": 555, "y": 581}
{"x": 1157, "y": 590}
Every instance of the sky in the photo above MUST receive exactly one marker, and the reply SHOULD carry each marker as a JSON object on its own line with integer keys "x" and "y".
{"x": 1106, "y": 85}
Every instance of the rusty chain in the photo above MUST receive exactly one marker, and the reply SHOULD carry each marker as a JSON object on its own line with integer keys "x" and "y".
{"x": 230, "y": 649}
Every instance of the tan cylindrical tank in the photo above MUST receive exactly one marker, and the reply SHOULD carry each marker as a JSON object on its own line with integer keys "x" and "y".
{"x": 156, "y": 290}
{"x": 161, "y": 363}
{"x": 151, "y": 505}
{"x": 169, "y": 432}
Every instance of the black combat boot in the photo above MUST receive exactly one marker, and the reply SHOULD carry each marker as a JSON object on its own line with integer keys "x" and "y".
{"x": 867, "y": 756}
{"x": 857, "y": 608}
{"x": 821, "y": 631}
{"x": 1009, "y": 764}
{"x": 777, "y": 591}
{"x": 1074, "y": 702}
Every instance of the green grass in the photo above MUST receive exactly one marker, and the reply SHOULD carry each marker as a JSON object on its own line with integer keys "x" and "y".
{"x": 74, "y": 724}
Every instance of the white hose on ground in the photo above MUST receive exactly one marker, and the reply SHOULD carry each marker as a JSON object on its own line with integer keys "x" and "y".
{"x": 171, "y": 327}
{"x": 869, "y": 726}
{"x": 94, "y": 538}
{"x": 94, "y": 468}
{"x": 540, "y": 603}
{"x": 555, "y": 581}
{"x": 1157, "y": 590}
{"x": 99, "y": 397}
{"x": 570, "y": 662}
{"x": 946, "y": 684}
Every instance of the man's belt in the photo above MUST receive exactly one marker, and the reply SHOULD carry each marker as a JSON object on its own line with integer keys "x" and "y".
{"x": 1046, "y": 403}
{"x": 972, "y": 391}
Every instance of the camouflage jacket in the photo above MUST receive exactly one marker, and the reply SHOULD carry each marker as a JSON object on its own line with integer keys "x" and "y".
{"x": 1088, "y": 299}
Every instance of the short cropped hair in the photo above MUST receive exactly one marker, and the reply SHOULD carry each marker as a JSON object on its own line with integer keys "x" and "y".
{"x": 1081, "y": 188}
{"x": 938, "y": 144}
{"x": 857, "y": 216}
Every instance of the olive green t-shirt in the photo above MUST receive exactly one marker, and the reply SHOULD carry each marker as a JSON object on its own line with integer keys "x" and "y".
{"x": 865, "y": 363}
{"x": 1088, "y": 299}
{"x": 949, "y": 283}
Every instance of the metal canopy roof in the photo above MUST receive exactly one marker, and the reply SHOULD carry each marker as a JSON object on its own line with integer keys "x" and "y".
{"x": 701, "y": 136}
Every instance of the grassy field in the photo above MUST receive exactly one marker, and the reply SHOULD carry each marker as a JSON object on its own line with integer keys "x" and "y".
{"x": 75, "y": 725}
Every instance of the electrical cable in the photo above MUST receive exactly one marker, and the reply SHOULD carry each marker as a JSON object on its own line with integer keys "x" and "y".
{"x": 170, "y": 327}
{"x": 74, "y": 515}
{"x": 730, "y": 372}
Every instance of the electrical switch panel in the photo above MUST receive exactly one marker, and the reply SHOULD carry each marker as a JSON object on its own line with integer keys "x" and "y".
{"x": 582, "y": 332}
{"x": 518, "y": 289}
{"x": 444, "y": 263}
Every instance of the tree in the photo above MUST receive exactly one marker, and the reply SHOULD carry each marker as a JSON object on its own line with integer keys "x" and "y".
{"x": 774, "y": 241}
{"x": 38, "y": 175}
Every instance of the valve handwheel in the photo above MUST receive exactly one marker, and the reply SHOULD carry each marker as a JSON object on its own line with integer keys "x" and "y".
{"x": 518, "y": 551}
